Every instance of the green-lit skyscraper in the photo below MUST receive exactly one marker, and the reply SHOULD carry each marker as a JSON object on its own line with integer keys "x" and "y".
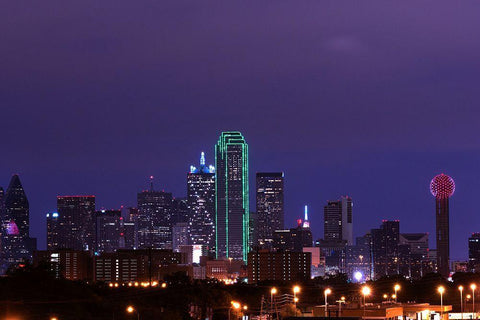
{"x": 232, "y": 201}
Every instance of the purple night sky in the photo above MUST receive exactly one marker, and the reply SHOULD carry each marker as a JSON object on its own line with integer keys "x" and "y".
{"x": 365, "y": 98}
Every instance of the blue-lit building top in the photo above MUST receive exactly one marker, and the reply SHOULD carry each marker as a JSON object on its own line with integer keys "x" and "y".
{"x": 202, "y": 168}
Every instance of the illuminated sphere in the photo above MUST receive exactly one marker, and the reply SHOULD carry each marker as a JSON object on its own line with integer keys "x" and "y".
{"x": 442, "y": 186}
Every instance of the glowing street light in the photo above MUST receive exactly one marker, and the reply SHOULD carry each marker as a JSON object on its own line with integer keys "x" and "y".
{"x": 326, "y": 293}
{"x": 473, "y": 286}
{"x": 441, "y": 290}
{"x": 131, "y": 309}
{"x": 342, "y": 300}
{"x": 296, "y": 290}
{"x": 366, "y": 292}
{"x": 273, "y": 291}
{"x": 235, "y": 305}
{"x": 460, "y": 288}
{"x": 385, "y": 296}
{"x": 396, "y": 288}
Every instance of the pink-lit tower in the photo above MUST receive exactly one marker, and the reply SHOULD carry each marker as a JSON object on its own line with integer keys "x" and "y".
{"x": 442, "y": 188}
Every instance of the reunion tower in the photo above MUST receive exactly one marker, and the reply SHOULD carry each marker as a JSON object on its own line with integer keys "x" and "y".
{"x": 442, "y": 188}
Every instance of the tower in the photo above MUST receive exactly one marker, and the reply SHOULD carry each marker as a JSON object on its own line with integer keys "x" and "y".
{"x": 201, "y": 204}
{"x": 338, "y": 220}
{"x": 15, "y": 224}
{"x": 270, "y": 211}
{"x": 442, "y": 188}
{"x": 154, "y": 219}
{"x": 76, "y": 217}
{"x": 232, "y": 199}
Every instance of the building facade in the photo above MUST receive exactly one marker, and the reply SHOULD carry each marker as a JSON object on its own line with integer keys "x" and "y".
{"x": 270, "y": 206}
{"x": 201, "y": 204}
{"x": 76, "y": 216}
{"x": 266, "y": 265}
{"x": 338, "y": 221}
{"x": 154, "y": 219}
{"x": 15, "y": 240}
{"x": 232, "y": 196}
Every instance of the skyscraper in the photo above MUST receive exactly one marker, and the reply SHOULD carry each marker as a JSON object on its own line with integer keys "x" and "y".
{"x": 53, "y": 231}
{"x": 154, "y": 219}
{"x": 385, "y": 241}
{"x": 232, "y": 198}
{"x": 108, "y": 230}
{"x": 269, "y": 191}
{"x": 474, "y": 252}
{"x": 338, "y": 220}
{"x": 15, "y": 224}
{"x": 442, "y": 188}
{"x": 201, "y": 204}
{"x": 76, "y": 215}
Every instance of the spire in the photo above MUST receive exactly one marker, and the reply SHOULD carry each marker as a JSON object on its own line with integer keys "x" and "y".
{"x": 306, "y": 223}
{"x": 151, "y": 183}
{"x": 202, "y": 159}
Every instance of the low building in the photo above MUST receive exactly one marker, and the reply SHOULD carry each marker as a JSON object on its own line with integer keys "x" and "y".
{"x": 286, "y": 266}
{"x": 65, "y": 263}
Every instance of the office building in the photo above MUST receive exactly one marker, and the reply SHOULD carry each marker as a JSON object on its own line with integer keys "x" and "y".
{"x": 270, "y": 206}
{"x": 264, "y": 265}
{"x": 201, "y": 204}
{"x": 442, "y": 188}
{"x": 53, "y": 231}
{"x": 154, "y": 219}
{"x": 108, "y": 230}
{"x": 385, "y": 241}
{"x": 474, "y": 252}
{"x": 338, "y": 221}
{"x": 232, "y": 196}
{"x": 15, "y": 238}
{"x": 179, "y": 235}
{"x": 76, "y": 216}
{"x": 417, "y": 264}
{"x": 66, "y": 264}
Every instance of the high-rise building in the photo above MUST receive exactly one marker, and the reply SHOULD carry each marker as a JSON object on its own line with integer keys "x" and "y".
{"x": 338, "y": 221}
{"x": 417, "y": 264}
{"x": 385, "y": 241}
{"x": 179, "y": 235}
{"x": 76, "y": 215}
{"x": 270, "y": 208}
{"x": 358, "y": 259}
{"x": 53, "y": 231}
{"x": 302, "y": 235}
{"x": 108, "y": 230}
{"x": 474, "y": 252}
{"x": 154, "y": 219}
{"x": 15, "y": 225}
{"x": 442, "y": 188}
{"x": 232, "y": 196}
{"x": 201, "y": 204}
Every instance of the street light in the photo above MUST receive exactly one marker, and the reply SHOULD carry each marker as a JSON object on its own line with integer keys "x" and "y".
{"x": 342, "y": 300}
{"x": 460, "y": 288}
{"x": 441, "y": 290}
{"x": 396, "y": 288}
{"x": 365, "y": 291}
{"x": 296, "y": 290}
{"x": 235, "y": 305}
{"x": 326, "y": 293}
{"x": 131, "y": 309}
{"x": 272, "y": 292}
{"x": 473, "y": 286}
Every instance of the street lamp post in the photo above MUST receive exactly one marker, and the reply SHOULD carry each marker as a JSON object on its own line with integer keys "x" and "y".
{"x": 235, "y": 305}
{"x": 473, "y": 286}
{"x": 441, "y": 290}
{"x": 131, "y": 309}
{"x": 272, "y": 292}
{"x": 296, "y": 290}
{"x": 342, "y": 300}
{"x": 460, "y": 288}
{"x": 326, "y": 293}
{"x": 396, "y": 288}
{"x": 365, "y": 291}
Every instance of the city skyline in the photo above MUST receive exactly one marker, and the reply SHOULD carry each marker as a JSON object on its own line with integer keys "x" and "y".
{"x": 341, "y": 100}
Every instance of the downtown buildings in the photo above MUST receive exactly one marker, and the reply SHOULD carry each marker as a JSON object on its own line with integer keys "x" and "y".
{"x": 232, "y": 196}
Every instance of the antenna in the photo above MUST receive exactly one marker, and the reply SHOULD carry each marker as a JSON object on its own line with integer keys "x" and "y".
{"x": 306, "y": 213}
{"x": 202, "y": 158}
{"x": 151, "y": 183}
